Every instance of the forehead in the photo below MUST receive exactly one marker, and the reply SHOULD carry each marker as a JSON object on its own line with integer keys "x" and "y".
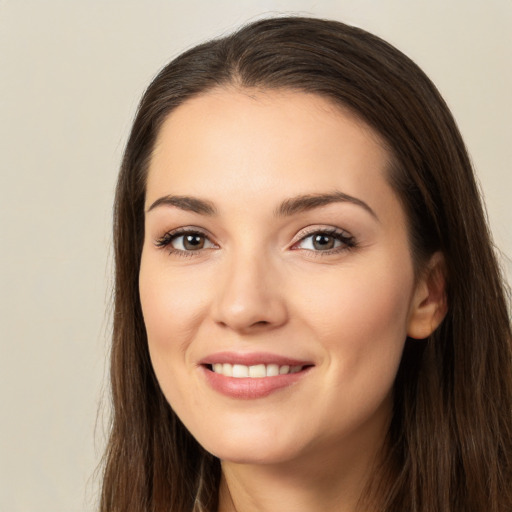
{"x": 268, "y": 143}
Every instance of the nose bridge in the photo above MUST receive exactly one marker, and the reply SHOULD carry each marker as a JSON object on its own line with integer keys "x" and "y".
{"x": 249, "y": 295}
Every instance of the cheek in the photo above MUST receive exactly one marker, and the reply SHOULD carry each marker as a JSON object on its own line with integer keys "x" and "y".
{"x": 361, "y": 324}
{"x": 360, "y": 317}
{"x": 351, "y": 303}
{"x": 173, "y": 305}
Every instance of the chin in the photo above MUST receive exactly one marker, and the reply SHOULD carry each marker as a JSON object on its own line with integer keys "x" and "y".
{"x": 247, "y": 449}
{"x": 253, "y": 455}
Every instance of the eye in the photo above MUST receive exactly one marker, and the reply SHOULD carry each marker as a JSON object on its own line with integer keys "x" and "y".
{"x": 326, "y": 241}
{"x": 185, "y": 241}
{"x": 190, "y": 242}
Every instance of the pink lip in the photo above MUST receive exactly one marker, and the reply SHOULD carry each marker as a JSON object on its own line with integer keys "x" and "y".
{"x": 251, "y": 388}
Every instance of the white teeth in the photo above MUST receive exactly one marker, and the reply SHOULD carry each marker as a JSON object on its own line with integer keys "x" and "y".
{"x": 272, "y": 370}
{"x": 257, "y": 371}
{"x": 240, "y": 371}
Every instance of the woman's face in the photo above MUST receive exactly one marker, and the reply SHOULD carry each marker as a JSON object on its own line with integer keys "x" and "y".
{"x": 276, "y": 281}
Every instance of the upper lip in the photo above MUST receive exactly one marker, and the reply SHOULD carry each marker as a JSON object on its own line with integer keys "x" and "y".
{"x": 252, "y": 358}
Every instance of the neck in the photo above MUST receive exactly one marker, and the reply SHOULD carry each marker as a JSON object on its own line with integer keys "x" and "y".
{"x": 317, "y": 483}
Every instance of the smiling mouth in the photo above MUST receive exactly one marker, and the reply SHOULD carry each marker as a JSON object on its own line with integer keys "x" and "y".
{"x": 257, "y": 371}
{"x": 260, "y": 376}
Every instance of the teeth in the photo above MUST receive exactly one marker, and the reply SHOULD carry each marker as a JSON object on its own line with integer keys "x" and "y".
{"x": 240, "y": 371}
{"x": 257, "y": 371}
{"x": 272, "y": 370}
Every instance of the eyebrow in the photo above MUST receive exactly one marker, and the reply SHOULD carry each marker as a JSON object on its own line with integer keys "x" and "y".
{"x": 187, "y": 203}
{"x": 311, "y": 201}
{"x": 287, "y": 208}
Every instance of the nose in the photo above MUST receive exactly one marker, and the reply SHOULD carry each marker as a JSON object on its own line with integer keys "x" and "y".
{"x": 250, "y": 296}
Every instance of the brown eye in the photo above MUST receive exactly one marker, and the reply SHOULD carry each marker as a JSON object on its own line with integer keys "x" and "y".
{"x": 185, "y": 242}
{"x": 191, "y": 242}
{"x": 188, "y": 242}
{"x": 322, "y": 242}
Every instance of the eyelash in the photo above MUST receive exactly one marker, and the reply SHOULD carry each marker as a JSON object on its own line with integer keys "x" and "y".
{"x": 166, "y": 241}
{"x": 348, "y": 242}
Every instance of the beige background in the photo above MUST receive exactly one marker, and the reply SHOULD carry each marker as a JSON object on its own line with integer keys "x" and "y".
{"x": 71, "y": 74}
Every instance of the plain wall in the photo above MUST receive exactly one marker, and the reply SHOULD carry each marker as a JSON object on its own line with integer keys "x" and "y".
{"x": 71, "y": 74}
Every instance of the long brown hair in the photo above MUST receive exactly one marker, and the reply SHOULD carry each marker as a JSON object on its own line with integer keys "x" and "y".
{"x": 449, "y": 446}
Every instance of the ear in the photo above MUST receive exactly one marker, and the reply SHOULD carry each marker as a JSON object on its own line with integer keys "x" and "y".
{"x": 429, "y": 304}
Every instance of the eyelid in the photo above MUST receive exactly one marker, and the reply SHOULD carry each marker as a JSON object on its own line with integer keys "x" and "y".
{"x": 311, "y": 230}
{"x": 164, "y": 242}
{"x": 347, "y": 240}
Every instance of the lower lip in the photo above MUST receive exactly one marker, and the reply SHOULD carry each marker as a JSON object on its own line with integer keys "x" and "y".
{"x": 250, "y": 388}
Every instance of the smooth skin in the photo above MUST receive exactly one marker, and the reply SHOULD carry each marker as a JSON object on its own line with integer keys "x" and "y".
{"x": 333, "y": 284}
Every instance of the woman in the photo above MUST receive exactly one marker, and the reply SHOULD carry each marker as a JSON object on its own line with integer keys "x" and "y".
{"x": 308, "y": 311}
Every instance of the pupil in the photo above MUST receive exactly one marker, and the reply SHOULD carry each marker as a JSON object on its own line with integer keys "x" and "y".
{"x": 323, "y": 242}
{"x": 193, "y": 242}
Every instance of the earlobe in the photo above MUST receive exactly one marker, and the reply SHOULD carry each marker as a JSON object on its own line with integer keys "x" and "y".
{"x": 429, "y": 305}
